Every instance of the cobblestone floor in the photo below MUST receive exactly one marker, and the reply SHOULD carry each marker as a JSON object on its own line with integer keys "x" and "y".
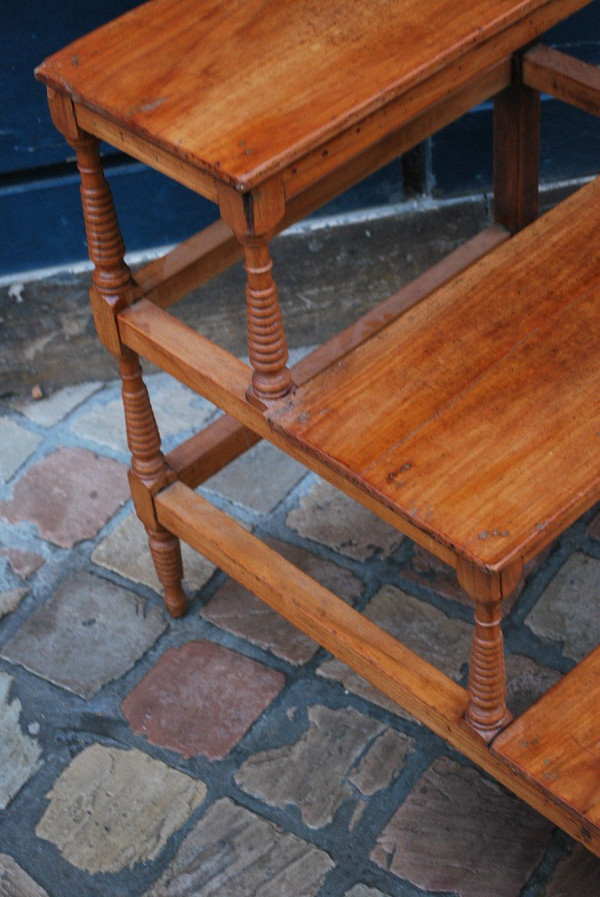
{"x": 225, "y": 753}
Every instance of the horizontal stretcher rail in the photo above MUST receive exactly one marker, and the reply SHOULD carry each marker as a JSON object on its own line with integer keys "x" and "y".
{"x": 564, "y": 77}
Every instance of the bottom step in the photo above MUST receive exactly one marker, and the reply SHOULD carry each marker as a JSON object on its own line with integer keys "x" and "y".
{"x": 556, "y": 744}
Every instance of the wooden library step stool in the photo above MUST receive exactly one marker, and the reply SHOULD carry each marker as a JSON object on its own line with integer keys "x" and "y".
{"x": 463, "y": 410}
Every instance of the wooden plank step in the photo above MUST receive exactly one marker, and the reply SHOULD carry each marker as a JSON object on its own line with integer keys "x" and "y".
{"x": 291, "y": 98}
{"x": 556, "y": 743}
{"x": 475, "y": 415}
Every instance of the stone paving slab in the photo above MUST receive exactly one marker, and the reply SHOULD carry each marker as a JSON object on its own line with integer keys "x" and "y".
{"x": 201, "y": 699}
{"x": 18, "y": 444}
{"x": 329, "y": 517}
{"x": 567, "y": 611}
{"x": 112, "y": 808}
{"x": 10, "y": 600}
{"x": 364, "y": 891}
{"x": 23, "y": 563}
{"x": 575, "y": 876}
{"x": 340, "y": 749}
{"x": 70, "y": 495}
{"x": 90, "y": 632}
{"x": 450, "y": 835}
{"x": 259, "y": 479}
{"x": 235, "y": 853}
{"x": 51, "y": 409}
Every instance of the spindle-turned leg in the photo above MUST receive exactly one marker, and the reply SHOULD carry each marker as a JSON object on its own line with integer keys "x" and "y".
{"x": 149, "y": 473}
{"x": 113, "y": 289}
{"x": 267, "y": 345}
{"x": 253, "y": 217}
{"x": 487, "y": 712}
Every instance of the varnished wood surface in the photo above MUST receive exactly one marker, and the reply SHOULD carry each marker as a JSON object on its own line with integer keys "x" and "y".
{"x": 564, "y": 77}
{"x": 477, "y": 413}
{"x": 556, "y": 743}
{"x": 243, "y": 94}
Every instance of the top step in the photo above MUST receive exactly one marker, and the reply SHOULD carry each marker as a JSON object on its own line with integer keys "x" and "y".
{"x": 475, "y": 416}
{"x": 242, "y": 90}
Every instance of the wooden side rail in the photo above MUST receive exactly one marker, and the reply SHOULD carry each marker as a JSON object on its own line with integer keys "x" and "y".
{"x": 563, "y": 77}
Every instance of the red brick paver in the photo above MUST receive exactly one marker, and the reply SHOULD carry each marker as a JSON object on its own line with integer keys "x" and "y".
{"x": 70, "y": 494}
{"x": 201, "y": 699}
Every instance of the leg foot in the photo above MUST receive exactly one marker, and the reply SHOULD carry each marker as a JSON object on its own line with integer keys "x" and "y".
{"x": 166, "y": 554}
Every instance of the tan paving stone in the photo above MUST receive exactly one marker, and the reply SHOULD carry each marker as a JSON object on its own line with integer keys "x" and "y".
{"x": 383, "y": 763}
{"x": 15, "y": 882}
{"x": 231, "y": 852}
{"x": 259, "y": 479}
{"x": 236, "y": 610}
{"x": 457, "y": 832}
{"x": 90, "y": 632}
{"x": 176, "y": 409}
{"x": 112, "y": 808}
{"x": 328, "y": 516}
{"x": 9, "y": 601}
{"x": 567, "y": 611}
{"x": 20, "y": 755}
{"x": 317, "y": 773}
{"x": 70, "y": 494}
{"x": 576, "y": 876}
{"x": 23, "y": 563}
{"x": 125, "y": 551}
{"x": 441, "y": 640}
{"x": 51, "y": 409}
{"x": 17, "y": 445}
{"x": 201, "y": 699}
{"x": 353, "y": 682}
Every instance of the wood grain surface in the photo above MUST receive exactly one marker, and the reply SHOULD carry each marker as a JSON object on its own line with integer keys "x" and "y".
{"x": 243, "y": 95}
{"x": 476, "y": 413}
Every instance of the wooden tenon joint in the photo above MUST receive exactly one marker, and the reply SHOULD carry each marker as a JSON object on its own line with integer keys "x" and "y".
{"x": 564, "y": 77}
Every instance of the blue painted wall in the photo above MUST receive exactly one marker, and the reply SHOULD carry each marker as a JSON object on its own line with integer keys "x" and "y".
{"x": 40, "y": 218}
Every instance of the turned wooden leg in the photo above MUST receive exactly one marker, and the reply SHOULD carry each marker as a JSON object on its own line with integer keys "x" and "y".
{"x": 487, "y": 712}
{"x": 267, "y": 345}
{"x": 113, "y": 289}
{"x": 149, "y": 472}
{"x": 253, "y": 218}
